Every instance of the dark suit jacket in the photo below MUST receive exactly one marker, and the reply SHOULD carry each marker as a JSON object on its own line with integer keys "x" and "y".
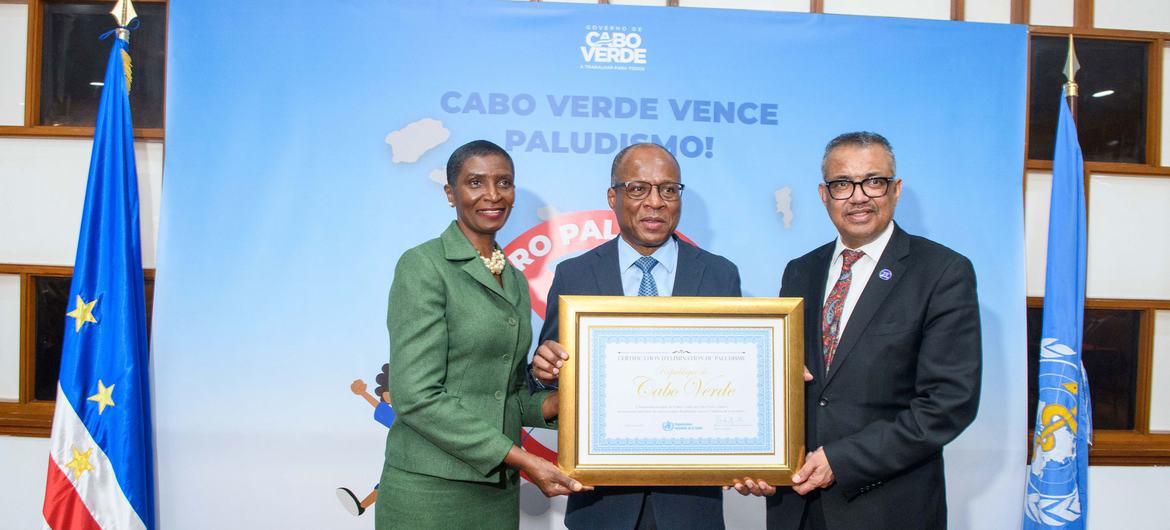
{"x": 904, "y": 381}
{"x": 699, "y": 273}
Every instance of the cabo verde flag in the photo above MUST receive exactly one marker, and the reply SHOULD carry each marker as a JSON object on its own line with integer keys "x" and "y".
{"x": 101, "y": 464}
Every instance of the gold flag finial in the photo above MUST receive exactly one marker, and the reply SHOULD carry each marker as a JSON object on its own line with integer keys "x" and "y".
{"x": 124, "y": 12}
{"x": 1071, "y": 65}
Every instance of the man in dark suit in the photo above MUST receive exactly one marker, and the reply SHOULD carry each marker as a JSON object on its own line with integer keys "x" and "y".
{"x": 893, "y": 341}
{"x": 647, "y": 259}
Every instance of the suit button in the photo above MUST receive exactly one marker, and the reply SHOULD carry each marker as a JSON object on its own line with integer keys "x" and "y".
{"x": 505, "y": 356}
{"x": 499, "y": 395}
{"x": 511, "y": 321}
{"x": 823, "y": 402}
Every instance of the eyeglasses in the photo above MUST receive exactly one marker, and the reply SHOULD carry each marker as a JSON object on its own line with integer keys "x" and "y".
{"x": 872, "y": 187}
{"x": 638, "y": 190}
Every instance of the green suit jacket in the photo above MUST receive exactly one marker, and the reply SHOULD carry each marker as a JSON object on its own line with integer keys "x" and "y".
{"x": 459, "y": 347}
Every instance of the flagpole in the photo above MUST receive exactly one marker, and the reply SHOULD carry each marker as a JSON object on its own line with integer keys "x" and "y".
{"x": 1071, "y": 65}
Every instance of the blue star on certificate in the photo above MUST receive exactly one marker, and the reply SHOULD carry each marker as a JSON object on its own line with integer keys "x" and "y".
{"x": 104, "y": 397}
{"x": 82, "y": 313}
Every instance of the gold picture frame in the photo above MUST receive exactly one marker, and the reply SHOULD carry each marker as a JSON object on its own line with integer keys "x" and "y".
{"x": 653, "y": 392}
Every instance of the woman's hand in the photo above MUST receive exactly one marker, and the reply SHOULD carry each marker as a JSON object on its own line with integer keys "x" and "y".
{"x": 543, "y": 473}
{"x": 550, "y": 480}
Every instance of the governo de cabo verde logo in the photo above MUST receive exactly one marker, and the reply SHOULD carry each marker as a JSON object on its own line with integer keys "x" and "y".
{"x": 613, "y": 47}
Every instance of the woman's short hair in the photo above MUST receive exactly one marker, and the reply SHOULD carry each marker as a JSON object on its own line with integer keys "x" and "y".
{"x": 471, "y": 150}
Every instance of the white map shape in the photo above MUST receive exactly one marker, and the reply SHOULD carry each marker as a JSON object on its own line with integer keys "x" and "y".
{"x": 411, "y": 142}
{"x": 1061, "y": 452}
{"x": 438, "y": 176}
{"x": 784, "y": 205}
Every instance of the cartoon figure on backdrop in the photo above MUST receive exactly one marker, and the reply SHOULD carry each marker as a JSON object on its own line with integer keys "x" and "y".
{"x": 384, "y": 414}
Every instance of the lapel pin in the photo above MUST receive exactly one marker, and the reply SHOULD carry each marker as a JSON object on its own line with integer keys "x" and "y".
{"x": 885, "y": 274}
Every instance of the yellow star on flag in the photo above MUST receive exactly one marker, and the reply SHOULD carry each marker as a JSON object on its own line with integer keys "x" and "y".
{"x": 82, "y": 313}
{"x": 104, "y": 397}
{"x": 80, "y": 463}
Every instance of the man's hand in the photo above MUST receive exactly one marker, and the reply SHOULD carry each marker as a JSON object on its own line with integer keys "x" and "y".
{"x": 752, "y": 486}
{"x": 759, "y": 488}
{"x": 815, "y": 473}
{"x": 358, "y": 387}
{"x": 547, "y": 361}
{"x": 550, "y": 408}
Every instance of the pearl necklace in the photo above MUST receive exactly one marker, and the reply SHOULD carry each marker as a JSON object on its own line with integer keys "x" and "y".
{"x": 494, "y": 263}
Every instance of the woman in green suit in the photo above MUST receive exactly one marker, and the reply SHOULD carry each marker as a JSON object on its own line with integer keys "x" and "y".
{"x": 459, "y": 336}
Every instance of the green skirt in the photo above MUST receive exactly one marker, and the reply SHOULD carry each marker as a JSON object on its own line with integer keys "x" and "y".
{"x": 414, "y": 501}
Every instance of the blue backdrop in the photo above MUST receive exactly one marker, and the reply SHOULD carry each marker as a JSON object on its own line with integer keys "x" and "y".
{"x": 304, "y": 146}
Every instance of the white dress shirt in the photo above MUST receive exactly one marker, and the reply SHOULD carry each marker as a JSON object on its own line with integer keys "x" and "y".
{"x": 663, "y": 273}
{"x": 862, "y": 270}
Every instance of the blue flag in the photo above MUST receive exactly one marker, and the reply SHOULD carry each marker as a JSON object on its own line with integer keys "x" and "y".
{"x": 101, "y": 463}
{"x": 1057, "y": 494}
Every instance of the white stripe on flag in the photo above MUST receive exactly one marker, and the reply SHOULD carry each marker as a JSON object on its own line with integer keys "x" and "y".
{"x": 97, "y": 487}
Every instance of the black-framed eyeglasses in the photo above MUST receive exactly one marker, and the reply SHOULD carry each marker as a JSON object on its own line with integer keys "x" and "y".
{"x": 638, "y": 190}
{"x": 872, "y": 187}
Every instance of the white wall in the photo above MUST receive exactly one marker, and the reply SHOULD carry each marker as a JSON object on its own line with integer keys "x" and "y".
{"x": 23, "y": 464}
{"x": 936, "y": 9}
{"x": 1128, "y": 497}
{"x": 9, "y": 337}
{"x": 13, "y": 39}
{"x": 1141, "y": 15}
{"x": 43, "y": 187}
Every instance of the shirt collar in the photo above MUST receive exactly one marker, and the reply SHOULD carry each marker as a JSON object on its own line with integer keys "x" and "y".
{"x": 873, "y": 249}
{"x": 667, "y": 254}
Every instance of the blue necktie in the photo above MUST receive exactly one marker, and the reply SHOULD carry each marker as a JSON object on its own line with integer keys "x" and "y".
{"x": 648, "y": 287}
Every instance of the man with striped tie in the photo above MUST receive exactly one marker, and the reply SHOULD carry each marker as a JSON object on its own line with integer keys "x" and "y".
{"x": 892, "y": 338}
{"x": 647, "y": 259}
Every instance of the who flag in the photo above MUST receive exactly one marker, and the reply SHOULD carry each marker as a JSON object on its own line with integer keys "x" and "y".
{"x": 1057, "y": 493}
{"x": 101, "y": 463}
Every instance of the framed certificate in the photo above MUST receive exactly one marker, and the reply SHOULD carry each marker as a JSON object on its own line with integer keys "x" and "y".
{"x": 681, "y": 390}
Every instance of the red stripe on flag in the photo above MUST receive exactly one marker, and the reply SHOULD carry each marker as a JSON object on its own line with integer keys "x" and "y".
{"x": 64, "y": 509}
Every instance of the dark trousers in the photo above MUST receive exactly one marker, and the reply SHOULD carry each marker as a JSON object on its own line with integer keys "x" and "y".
{"x": 814, "y": 513}
{"x": 646, "y": 517}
